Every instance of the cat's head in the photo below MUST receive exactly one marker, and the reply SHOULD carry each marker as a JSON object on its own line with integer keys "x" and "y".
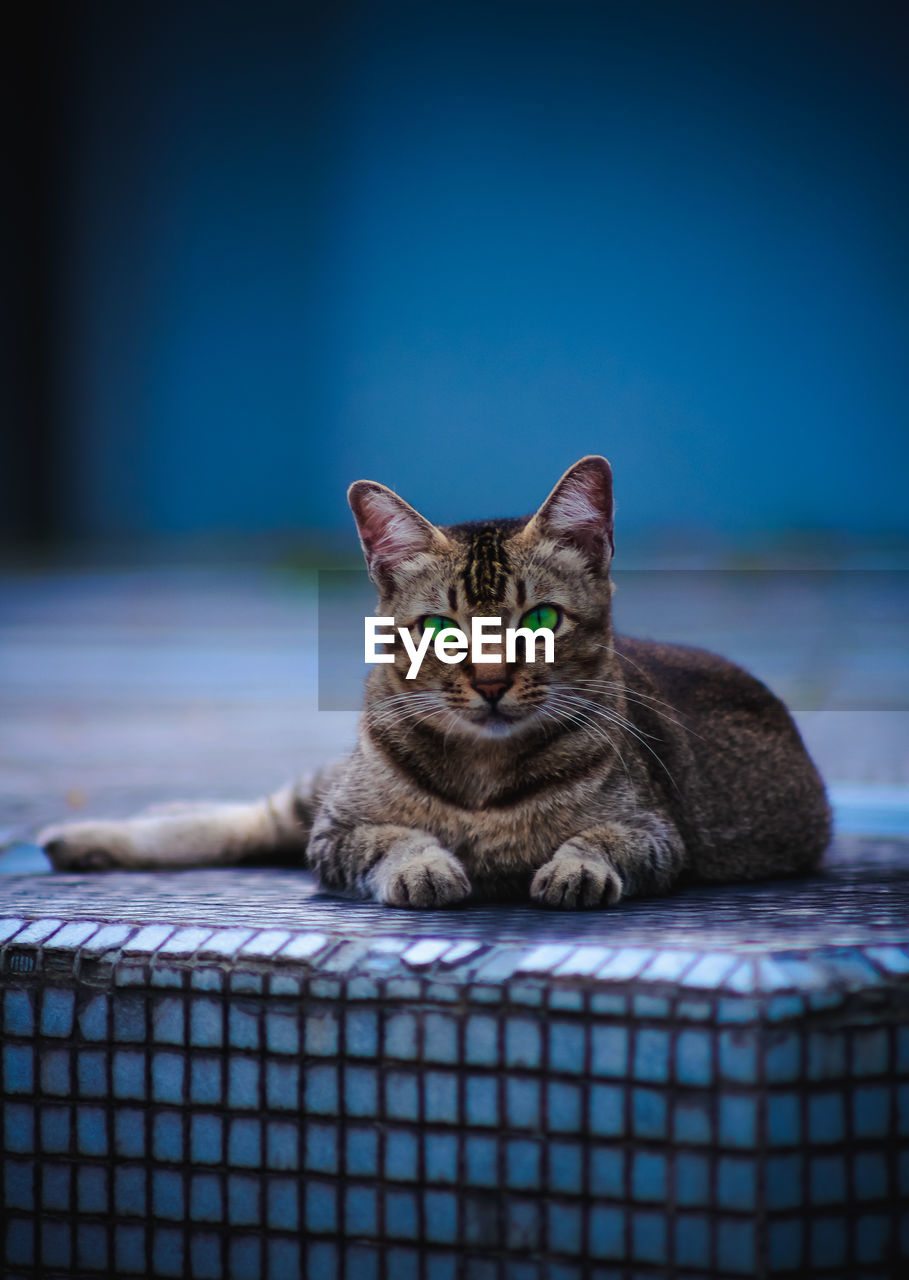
{"x": 550, "y": 570}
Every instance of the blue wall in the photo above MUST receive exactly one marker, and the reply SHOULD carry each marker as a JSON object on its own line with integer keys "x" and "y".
{"x": 454, "y": 247}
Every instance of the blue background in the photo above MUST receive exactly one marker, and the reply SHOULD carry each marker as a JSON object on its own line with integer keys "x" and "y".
{"x": 454, "y": 247}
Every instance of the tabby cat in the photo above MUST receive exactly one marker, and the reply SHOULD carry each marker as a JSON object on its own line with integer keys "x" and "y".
{"x": 624, "y": 767}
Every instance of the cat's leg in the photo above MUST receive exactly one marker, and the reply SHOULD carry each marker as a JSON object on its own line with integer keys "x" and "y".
{"x": 396, "y": 865}
{"x": 186, "y": 835}
{"x": 597, "y": 867}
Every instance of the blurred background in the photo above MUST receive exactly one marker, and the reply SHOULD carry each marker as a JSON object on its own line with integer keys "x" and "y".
{"x": 254, "y": 251}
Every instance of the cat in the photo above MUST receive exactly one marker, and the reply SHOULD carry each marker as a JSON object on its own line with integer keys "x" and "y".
{"x": 623, "y": 768}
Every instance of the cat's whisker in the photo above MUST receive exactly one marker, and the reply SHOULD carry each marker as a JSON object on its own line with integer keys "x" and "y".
{"x": 621, "y": 722}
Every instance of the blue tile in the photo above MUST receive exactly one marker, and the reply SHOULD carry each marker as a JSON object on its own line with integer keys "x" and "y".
{"x": 244, "y": 1147}
{"x": 609, "y": 1050}
{"x": 651, "y": 1056}
{"x": 167, "y": 1020}
{"x": 322, "y": 1148}
{"x": 606, "y": 1232}
{"x": 783, "y": 1057}
{"x": 242, "y": 1200}
{"x": 693, "y": 1119}
{"x": 735, "y": 1246}
{"x": 285, "y": 1262}
{"x": 322, "y": 1090}
{"x": 607, "y": 1110}
{"x": 92, "y": 1249}
{"x": 648, "y": 1176}
{"x": 20, "y": 1242}
{"x": 242, "y": 1027}
{"x": 18, "y": 1068}
{"x": 440, "y": 1097}
{"x": 738, "y": 1056}
{"x": 18, "y": 1013}
{"x": 167, "y": 1194}
{"x": 361, "y": 1033}
{"x": 694, "y": 1060}
{"x": 401, "y": 1096}
{"x": 564, "y": 1228}
{"x": 361, "y": 1151}
{"x": 692, "y": 1179}
{"x": 91, "y": 1073}
{"x": 19, "y": 1191}
{"x": 481, "y": 1101}
{"x": 168, "y": 1073}
{"x": 784, "y": 1120}
{"x": 205, "y": 1198}
{"x": 129, "y": 1018}
{"x": 567, "y": 1047}
{"x": 566, "y": 1173}
{"x": 736, "y": 1183}
{"x": 167, "y": 1136}
{"x": 401, "y": 1215}
{"x": 282, "y": 1086}
{"x": 826, "y": 1055}
{"x": 91, "y": 1131}
{"x": 828, "y": 1242}
{"x": 206, "y": 1023}
{"x": 400, "y": 1036}
{"x": 648, "y": 1113}
{"x": 56, "y": 1245}
{"x": 205, "y": 1256}
{"x": 902, "y": 1110}
{"x": 361, "y": 1091}
{"x": 607, "y": 1172}
{"x": 401, "y": 1156}
{"x": 481, "y": 1045}
{"x": 826, "y": 1118}
{"x": 206, "y": 1139}
{"x": 129, "y": 1132}
{"x": 828, "y": 1180}
{"x": 439, "y": 1266}
{"x": 167, "y": 1253}
{"x": 360, "y": 1210}
{"x": 244, "y": 1258}
{"x": 129, "y": 1190}
{"x": 91, "y": 1189}
{"x": 19, "y": 1127}
{"x": 322, "y": 1033}
{"x": 692, "y": 1240}
{"x": 870, "y": 1051}
{"x": 440, "y": 1213}
{"x": 648, "y": 1237}
{"x": 870, "y": 1175}
{"x": 440, "y": 1157}
{"x": 55, "y": 1129}
{"x": 205, "y": 1079}
{"x": 321, "y": 1208}
{"x": 282, "y": 1035}
{"x": 784, "y": 1182}
{"x": 522, "y": 1223}
{"x": 873, "y": 1242}
{"x": 738, "y": 1120}
{"x": 523, "y": 1043}
{"x": 563, "y": 1107}
{"x": 243, "y": 1083}
{"x": 784, "y": 1245}
{"x": 282, "y": 1145}
{"x": 128, "y": 1073}
{"x": 57, "y": 1010}
{"x": 282, "y": 1205}
{"x": 522, "y": 1164}
{"x": 522, "y": 1103}
{"x": 870, "y": 1112}
{"x": 93, "y": 1019}
{"x": 481, "y": 1160}
{"x": 403, "y": 1264}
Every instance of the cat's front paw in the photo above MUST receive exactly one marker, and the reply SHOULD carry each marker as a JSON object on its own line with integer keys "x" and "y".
{"x": 573, "y": 879}
{"x": 86, "y": 846}
{"x": 427, "y": 877}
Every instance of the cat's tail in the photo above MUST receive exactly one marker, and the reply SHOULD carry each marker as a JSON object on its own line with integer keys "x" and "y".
{"x": 268, "y": 832}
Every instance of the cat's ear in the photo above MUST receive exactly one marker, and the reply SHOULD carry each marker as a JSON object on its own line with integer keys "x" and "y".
{"x": 579, "y": 511}
{"x": 390, "y": 530}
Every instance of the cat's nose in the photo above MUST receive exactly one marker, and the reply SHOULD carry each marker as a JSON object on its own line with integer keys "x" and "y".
{"x": 491, "y": 689}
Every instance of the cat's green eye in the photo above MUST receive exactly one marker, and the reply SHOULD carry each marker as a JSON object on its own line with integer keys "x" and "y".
{"x": 435, "y": 622}
{"x": 544, "y": 616}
